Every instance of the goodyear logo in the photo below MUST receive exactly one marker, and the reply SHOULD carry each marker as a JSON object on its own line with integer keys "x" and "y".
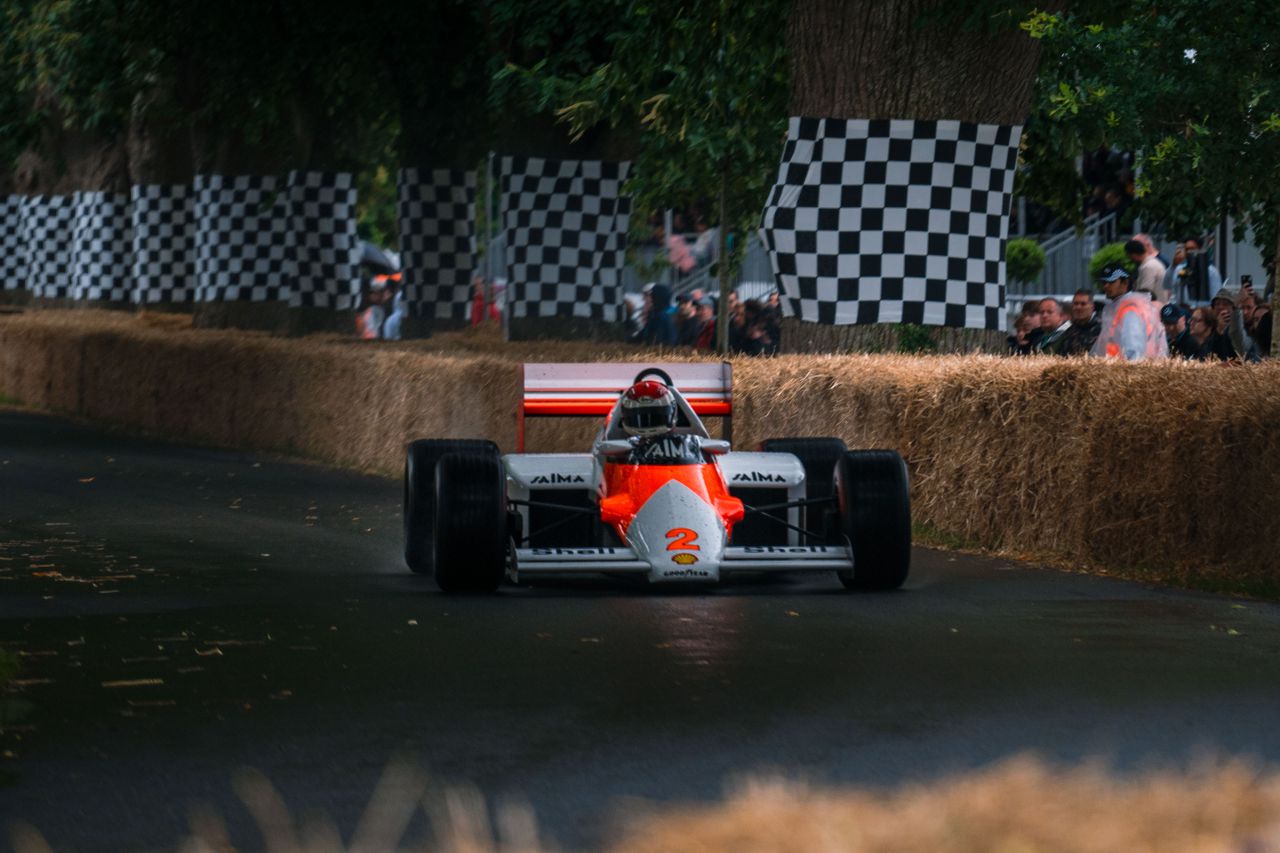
{"x": 686, "y": 573}
{"x": 684, "y": 559}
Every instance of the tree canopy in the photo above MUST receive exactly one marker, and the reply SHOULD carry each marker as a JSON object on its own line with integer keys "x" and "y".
{"x": 1193, "y": 89}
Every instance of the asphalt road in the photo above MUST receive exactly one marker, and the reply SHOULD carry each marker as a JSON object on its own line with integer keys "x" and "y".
{"x": 183, "y": 613}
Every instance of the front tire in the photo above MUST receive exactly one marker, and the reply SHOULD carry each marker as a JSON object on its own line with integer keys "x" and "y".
{"x": 420, "y": 493}
{"x": 471, "y": 541}
{"x": 875, "y": 515}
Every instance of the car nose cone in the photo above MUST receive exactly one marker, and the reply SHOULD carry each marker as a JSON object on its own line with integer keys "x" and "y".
{"x": 679, "y": 534}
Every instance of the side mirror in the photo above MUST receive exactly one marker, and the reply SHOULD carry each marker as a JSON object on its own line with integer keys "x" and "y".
{"x": 615, "y": 447}
{"x": 715, "y": 446}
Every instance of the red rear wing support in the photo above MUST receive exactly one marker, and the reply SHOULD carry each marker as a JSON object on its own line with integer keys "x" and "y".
{"x": 590, "y": 390}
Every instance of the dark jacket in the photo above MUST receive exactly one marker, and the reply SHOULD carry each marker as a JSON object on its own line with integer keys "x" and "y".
{"x": 661, "y": 328}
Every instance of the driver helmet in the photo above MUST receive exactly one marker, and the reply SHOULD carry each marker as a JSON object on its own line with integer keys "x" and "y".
{"x": 648, "y": 408}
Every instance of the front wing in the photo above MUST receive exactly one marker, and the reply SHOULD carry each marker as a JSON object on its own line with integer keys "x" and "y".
{"x": 747, "y": 558}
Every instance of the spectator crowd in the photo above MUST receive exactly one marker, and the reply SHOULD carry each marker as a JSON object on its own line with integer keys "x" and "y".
{"x": 690, "y": 320}
{"x": 1177, "y": 309}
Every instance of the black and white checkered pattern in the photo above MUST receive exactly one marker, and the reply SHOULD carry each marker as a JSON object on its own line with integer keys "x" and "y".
{"x": 48, "y": 233}
{"x": 242, "y": 239}
{"x": 437, "y": 236}
{"x": 164, "y": 243}
{"x": 325, "y": 248}
{"x": 889, "y": 221}
{"x": 566, "y": 225}
{"x": 101, "y": 247}
{"x": 13, "y": 250}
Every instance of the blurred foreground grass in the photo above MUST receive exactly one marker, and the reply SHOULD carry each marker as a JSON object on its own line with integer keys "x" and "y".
{"x": 1022, "y": 805}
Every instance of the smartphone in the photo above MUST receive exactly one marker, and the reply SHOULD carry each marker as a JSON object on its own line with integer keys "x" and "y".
{"x": 1246, "y": 281}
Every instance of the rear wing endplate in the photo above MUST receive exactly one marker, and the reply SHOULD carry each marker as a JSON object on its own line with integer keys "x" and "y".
{"x": 566, "y": 389}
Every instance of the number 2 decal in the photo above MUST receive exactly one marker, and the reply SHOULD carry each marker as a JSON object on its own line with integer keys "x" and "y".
{"x": 683, "y": 539}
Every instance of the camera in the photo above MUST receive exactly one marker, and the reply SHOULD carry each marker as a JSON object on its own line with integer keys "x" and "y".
{"x": 1194, "y": 277}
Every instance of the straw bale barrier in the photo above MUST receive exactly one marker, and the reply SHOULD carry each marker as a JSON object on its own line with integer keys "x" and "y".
{"x": 1165, "y": 471}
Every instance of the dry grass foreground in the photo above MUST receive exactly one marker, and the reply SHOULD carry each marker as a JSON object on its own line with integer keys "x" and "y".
{"x": 1163, "y": 471}
{"x": 1020, "y": 806}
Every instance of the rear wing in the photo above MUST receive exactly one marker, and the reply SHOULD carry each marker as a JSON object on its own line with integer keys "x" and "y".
{"x": 590, "y": 390}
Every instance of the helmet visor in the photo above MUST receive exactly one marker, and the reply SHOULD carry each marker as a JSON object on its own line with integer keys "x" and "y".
{"x": 648, "y": 419}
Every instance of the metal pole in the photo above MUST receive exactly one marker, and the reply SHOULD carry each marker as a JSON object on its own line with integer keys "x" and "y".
{"x": 488, "y": 218}
{"x": 666, "y": 235}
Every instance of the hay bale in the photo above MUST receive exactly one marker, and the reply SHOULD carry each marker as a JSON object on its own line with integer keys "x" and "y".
{"x": 1162, "y": 469}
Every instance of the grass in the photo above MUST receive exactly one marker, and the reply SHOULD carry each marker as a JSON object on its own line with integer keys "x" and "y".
{"x": 1022, "y": 804}
{"x": 930, "y": 536}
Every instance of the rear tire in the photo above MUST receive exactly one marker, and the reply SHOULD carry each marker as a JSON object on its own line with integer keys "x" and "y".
{"x": 420, "y": 493}
{"x": 471, "y": 541}
{"x": 819, "y": 457}
{"x": 875, "y": 514}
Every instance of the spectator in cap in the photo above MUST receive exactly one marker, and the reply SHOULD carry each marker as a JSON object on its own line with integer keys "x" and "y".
{"x": 1174, "y": 318}
{"x": 1131, "y": 327}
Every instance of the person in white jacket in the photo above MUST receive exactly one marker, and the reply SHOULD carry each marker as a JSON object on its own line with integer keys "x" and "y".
{"x": 1131, "y": 327}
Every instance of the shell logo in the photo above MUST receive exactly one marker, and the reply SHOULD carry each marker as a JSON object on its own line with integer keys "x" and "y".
{"x": 684, "y": 559}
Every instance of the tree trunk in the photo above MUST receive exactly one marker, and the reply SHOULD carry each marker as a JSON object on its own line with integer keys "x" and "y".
{"x": 722, "y": 310}
{"x": 1275, "y": 292}
{"x": 906, "y": 59}
{"x": 876, "y": 59}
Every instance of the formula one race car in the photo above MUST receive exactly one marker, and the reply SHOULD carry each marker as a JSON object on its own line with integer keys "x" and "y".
{"x": 656, "y": 497}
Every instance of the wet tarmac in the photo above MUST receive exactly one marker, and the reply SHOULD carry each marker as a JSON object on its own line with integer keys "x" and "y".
{"x": 181, "y": 613}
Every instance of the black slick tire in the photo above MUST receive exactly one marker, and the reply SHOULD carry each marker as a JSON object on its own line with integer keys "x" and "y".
{"x": 875, "y": 514}
{"x": 819, "y": 457}
{"x": 420, "y": 461}
{"x": 471, "y": 541}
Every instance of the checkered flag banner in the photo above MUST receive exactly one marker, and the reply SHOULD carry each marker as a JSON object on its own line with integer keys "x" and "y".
{"x": 13, "y": 251}
{"x": 164, "y": 242}
{"x": 566, "y": 225}
{"x": 325, "y": 248}
{"x": 100, "y": 247}
{"x": 436, "y": 212}
{"x": 48, "y": 223}
{"x": 242, "y": 239}
{"x": 892, "y": 221}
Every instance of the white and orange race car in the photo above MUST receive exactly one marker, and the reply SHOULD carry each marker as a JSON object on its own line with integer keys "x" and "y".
{"x": 656, "y": 496}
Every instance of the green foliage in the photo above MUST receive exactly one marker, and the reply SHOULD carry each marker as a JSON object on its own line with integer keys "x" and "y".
{"x": 1024, "y": 259}
{"x": 705, "y": 84}
{"x": 1193, "y": 90}
{"x": 913, "y": 338}
{"x": 1112, "y": 253}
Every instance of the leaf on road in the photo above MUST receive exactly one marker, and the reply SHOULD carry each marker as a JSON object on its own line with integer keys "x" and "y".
{"x": 133, "y": 682}
{"x": 792, "y": 613}
{"x": 87, "y": 479}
